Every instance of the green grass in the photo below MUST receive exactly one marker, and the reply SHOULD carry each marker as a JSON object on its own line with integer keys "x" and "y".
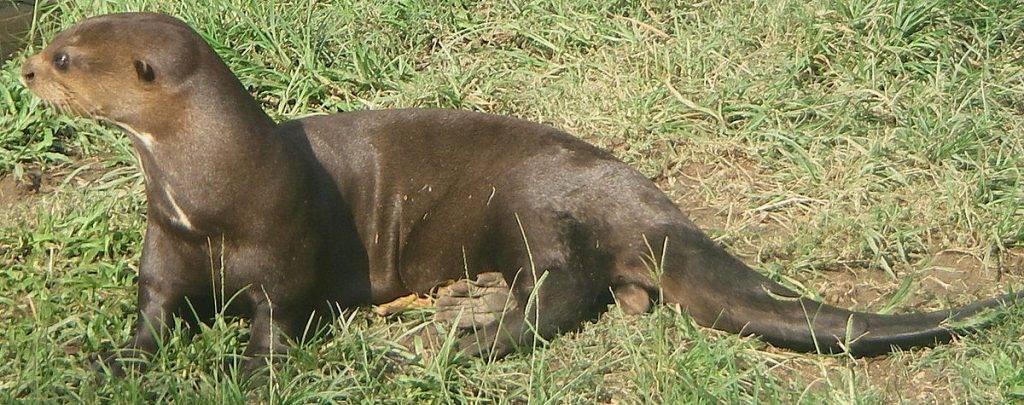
{"x": 847, "y": 148}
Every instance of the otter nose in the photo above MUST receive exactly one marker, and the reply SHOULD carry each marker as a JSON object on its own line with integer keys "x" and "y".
{"x": 28, "y": 72}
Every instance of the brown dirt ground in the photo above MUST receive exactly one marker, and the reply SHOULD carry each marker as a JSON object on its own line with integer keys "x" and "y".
{"x": 14, "y": 191}
{"x": 38, "y": 182}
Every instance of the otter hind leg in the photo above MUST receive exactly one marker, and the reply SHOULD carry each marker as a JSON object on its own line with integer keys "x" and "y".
{"x": 493, "y": 320}
{"x": 468, "y": 305}
{"x": 554, "y": 276}
{"x": 474, "y": 304}
{"x": 556, "y": 301}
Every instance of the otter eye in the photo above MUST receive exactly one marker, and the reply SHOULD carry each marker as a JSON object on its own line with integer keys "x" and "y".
{"x": 61, "y": 61}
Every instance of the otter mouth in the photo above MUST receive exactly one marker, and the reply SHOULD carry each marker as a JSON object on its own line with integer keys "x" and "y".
{"x": 65, "y": 100}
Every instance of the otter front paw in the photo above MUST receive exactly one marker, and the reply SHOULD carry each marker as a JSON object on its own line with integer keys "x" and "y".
{"x": 118, "y": 363}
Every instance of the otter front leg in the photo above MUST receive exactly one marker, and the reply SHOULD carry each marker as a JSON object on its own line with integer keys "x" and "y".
{"x": 155, "y": 314}
{"x": 162, "y": 288}
{"x": 270, "y": 330}
{"x": 282, "y": 294}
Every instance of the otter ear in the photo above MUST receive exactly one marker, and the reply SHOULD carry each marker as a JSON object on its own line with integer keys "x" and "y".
{"x": 144, "y": 70}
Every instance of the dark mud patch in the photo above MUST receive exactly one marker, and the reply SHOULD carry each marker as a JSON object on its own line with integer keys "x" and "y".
{"x": 35, "y": 183}
{"x": 16, "y": 190}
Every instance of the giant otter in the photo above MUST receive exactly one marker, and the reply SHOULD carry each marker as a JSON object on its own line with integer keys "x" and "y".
{"x": 308, "y": 216}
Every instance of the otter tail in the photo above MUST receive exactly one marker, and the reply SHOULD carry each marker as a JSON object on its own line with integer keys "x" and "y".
{"x": 721, "y": 292}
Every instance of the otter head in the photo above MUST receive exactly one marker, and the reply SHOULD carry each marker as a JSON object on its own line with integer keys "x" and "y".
{"x": 130, "y": 69}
